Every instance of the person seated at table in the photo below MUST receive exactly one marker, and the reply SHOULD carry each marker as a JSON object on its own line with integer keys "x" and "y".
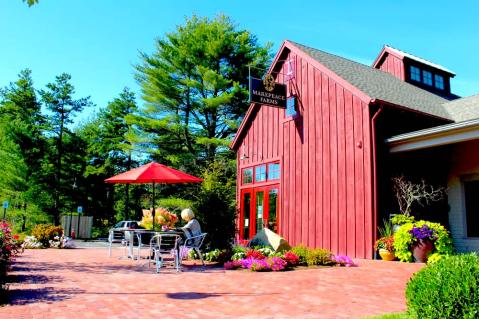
{"x": 192, "y": 227}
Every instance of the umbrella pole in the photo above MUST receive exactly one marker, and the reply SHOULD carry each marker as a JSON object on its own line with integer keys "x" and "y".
{"x": 153, "y": 205}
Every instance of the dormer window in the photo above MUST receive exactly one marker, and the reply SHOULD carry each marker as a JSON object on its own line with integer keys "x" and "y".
{"x": 415, "y": 74}
{"x": 427, "y": 77}
{"x": 439, "y": 82}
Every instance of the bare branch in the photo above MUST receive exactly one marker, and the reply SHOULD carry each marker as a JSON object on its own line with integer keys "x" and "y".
{"x": 407, "y": 193}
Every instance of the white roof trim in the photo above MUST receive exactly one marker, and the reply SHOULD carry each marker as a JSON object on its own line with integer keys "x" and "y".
{"x": 418, "y": 59}
{"x": 435, "y": 136}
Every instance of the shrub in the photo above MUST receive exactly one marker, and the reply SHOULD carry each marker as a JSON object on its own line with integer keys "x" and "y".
{"x": 403, "y": 239}
{"x": 449, "y": 288}
{"x": 319, "y": 256}
{"x": 215, "y": 205}
{"x": 44, "y": 233}
{"x": 9, "y": 248}
{"x": 217, "y": 255}
{"x": 302, "y": 252}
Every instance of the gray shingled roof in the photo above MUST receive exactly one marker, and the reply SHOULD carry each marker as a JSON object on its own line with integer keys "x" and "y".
{"x": 381, "y": 85}
{"x": 463, "y": 109}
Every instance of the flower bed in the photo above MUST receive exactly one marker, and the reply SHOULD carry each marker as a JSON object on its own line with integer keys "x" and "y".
{"x": 265, "y": 259}
{"x": 9, "y": 248}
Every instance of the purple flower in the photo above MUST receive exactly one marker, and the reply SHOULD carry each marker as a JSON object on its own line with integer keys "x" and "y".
{"x": 343, "y": 260}
{"x": 423, "y": 232}
{"x": 277, "y": 264}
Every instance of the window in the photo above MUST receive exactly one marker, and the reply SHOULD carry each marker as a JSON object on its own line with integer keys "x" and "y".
{"x": 471, "y": 196}
{"x": 439, "y": 82}
{"x": 427, "y": 77}
{"x": 415, "y": 74}
{"x": 247, "y": 175}
{"x": 273, "y": 171}
{"x": 260, "y": 173}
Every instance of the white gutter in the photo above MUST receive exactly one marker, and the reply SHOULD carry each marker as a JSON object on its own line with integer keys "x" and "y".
{"x": 435, "y": 136}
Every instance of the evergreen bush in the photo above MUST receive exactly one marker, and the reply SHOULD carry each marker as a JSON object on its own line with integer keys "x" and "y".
{"x": 449, "y": 288}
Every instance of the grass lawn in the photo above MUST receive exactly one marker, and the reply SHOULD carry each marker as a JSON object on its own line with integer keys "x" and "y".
{"x": 401, "y": 315}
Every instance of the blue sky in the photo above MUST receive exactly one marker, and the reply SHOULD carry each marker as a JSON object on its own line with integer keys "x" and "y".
{"x": 98, "y": 41}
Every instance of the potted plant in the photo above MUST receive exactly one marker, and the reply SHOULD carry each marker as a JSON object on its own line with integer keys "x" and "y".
{"x": 400, "y": 219}
{"x": 385, "y": 244}
{"x": 423, "y": 242}
{"x": 385, "y": 247}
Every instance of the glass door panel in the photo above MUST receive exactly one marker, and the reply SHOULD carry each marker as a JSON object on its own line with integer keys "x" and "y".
{"x": 259, "y": 210}
{"x": 272, "y": 209}
{"x": 246, "y": 215}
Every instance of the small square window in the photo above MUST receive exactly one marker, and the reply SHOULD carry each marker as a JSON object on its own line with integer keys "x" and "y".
{"x": 260, "y": 173}
{"x": 273, "y": 171}
{"x": 415, "y": 74}
{"x": 247, "y": 175}
{"x": 471, "y": 196}
{"x": 427, "y": 77}
{"x": 439, "y": 82}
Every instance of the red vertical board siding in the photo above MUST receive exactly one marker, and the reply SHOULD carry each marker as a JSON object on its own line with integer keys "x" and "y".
{"x": 318, "y": 212}
{"x": 311, "y": 158}
{"x": 392, "y": 65}
{"x": 304, "y": 153}
{"x": 297, "y": 158}
{"x": 342, "y": 219}
{"x": 326, "y": 222}
{"x": 333, "y": 143}
{"x": 350, "y": 178}
{"x": 359, "y": 175}
{"x": 325, "y": 156}
{"x": 368, "y": 182}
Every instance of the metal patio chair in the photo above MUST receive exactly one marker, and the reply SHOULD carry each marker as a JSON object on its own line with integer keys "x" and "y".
{"x": 162, "y": 246}
{"x": 116, "y": 236}
{"x": 194, "y": 243}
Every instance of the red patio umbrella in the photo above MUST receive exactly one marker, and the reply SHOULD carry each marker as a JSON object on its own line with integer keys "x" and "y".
{"x": 153, "y": 173}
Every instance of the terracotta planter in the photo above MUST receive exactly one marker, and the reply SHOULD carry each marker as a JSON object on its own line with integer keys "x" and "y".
{"x": 386, "y": 255}
{"x": 421, "y": 250}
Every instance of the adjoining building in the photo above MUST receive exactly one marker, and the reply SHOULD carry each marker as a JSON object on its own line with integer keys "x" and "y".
{"x": 318, "y": 172}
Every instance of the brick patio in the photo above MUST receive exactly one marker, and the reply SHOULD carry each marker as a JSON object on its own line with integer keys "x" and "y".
{"x": 85, "y": 283}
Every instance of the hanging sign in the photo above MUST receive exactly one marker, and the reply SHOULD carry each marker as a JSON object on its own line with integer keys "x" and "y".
{"x": 267, "y": 91}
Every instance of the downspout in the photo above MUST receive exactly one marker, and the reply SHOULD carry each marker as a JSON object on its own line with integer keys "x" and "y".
{"x": 375, "y": 183}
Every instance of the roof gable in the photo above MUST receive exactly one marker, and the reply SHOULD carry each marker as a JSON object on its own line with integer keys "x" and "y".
{"x": 368, "y": 83}
{"x": 402, "y": 54}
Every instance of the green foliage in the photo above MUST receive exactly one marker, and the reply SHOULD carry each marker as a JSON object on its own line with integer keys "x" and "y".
{"x": 302, "y": 252}
{"x": 215, "y": 205}
{"x": 44, "y": 233}
{"x": 195, "y": 89}
{"x": 386, "y": 230}
{"x": 310, "y": 257}
{"x": 400, "y": 219}
{"x": 448, "y": 288}
{"x": 319, "y": 256}
{"x": 403, "y": 240}
{"x": 218, "y": 255}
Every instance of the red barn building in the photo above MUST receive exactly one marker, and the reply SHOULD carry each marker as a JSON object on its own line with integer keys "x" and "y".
{"x": 317, "y": 173}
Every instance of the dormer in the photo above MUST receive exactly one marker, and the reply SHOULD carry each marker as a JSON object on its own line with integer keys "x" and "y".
{"x": 415, "y": 70}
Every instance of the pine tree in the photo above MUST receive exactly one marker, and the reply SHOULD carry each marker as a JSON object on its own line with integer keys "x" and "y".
{"x": 195, "y": 89}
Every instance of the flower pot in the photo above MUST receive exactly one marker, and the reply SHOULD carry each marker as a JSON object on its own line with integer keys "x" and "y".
{"x": 386, "y": 255}
{"x": 421, "y": 250}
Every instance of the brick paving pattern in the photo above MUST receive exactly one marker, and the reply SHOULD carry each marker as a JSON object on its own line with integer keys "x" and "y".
{"x": 85, "y": 283}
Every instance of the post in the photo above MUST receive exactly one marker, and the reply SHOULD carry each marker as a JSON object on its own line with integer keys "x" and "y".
{"x": 80, "y": 211}
{"x": 5, "y": 206}
{"x": 153, "y": 205}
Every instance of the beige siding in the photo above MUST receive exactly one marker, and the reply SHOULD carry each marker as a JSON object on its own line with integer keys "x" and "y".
{"x": 464, "y": 165}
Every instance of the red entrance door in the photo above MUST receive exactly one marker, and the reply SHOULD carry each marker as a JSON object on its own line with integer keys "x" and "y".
{"x": 259, "y": 208}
